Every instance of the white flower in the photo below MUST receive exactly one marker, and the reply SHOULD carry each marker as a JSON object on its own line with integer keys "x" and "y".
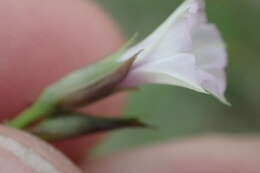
{"x": 184, "y": 51}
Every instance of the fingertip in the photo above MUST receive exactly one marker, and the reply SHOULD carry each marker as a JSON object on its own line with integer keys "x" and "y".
{"x": 21, "y": 152}
{"x": 41, "y": 41}
{"x": 210, "y": 154}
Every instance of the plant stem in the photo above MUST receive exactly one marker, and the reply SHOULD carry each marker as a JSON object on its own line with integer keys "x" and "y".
{"x": 30, "y": 115}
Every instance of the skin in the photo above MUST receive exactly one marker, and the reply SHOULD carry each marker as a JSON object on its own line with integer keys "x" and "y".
{"x": 208, "y": 154}
{"x": 43, "y": 40}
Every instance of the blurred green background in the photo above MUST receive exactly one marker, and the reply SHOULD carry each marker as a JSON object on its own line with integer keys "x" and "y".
{"x": 178, "y": 112}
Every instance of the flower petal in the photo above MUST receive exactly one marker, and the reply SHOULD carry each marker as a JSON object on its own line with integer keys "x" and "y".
{"x": 215, "y": 84}
{"x": 179, "y": 70}
{"x": 173, "y": 36}
{"x": 209, "y": 47}
{"x": 211, "y": 58}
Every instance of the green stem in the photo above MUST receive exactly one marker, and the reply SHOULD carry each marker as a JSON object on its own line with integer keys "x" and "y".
{"x": 30, "y": 115}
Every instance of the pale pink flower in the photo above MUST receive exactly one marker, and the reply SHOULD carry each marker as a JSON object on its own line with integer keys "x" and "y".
{"x": 184, "y": 51}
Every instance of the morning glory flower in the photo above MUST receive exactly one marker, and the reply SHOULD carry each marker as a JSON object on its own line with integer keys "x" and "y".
{"x": 184, "y": 51}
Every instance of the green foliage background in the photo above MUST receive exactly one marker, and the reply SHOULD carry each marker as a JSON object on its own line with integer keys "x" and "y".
{"x": 178, "y": 112}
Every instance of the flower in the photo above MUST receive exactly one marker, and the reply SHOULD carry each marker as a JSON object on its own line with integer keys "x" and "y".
{"x": 184, "y": 51}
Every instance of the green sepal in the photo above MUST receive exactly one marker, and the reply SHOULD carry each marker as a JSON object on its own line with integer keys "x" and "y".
{"x": 90, "y": 91}
{"x": 73, "y": 124}
{"x": 90, "y": 83}
{"x": 81, "y": 87}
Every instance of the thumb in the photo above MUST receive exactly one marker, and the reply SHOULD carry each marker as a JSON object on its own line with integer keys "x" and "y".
{"x": 23, "y": 153}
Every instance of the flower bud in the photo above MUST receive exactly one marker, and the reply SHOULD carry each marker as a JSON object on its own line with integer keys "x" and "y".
{"x": 73, "y": 124}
